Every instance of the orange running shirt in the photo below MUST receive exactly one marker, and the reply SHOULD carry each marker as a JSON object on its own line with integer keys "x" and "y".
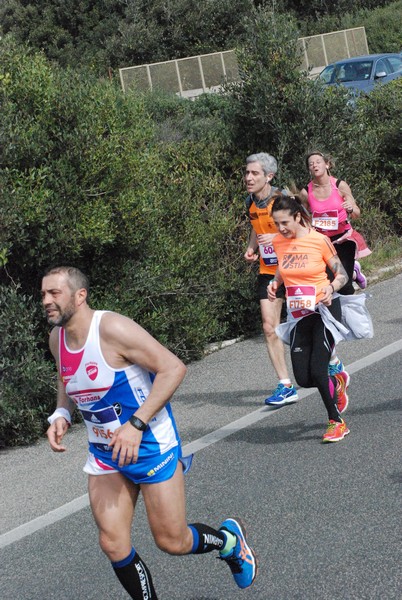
{"x": 262, "y": 222}
{"x": 302, "y": 261}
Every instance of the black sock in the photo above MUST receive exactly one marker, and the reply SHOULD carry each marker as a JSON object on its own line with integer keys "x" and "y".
{"x": 134, "y": 576}
{"x": 206, "y": 538}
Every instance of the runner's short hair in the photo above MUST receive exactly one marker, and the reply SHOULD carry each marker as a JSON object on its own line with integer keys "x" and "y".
{"x": 268, "y": 163}
{"x": 76, "y": 279}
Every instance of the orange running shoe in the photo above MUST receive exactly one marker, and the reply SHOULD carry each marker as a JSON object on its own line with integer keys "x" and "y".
{"x": 335, "y": 432}
{"x": 342, "y": 384}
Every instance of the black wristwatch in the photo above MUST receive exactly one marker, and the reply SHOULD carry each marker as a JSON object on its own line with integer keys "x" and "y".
{"x": 137, "y": 423}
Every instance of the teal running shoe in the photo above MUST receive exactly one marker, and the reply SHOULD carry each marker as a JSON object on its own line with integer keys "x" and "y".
{"x": 335, "y": 369}
{"x": 241, "y": 559}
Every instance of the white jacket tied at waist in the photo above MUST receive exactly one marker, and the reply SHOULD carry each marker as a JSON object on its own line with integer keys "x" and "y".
{"x": 356, "y": 321}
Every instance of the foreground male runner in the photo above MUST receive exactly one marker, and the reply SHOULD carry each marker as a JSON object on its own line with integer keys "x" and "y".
{"x": 121, "y": 379}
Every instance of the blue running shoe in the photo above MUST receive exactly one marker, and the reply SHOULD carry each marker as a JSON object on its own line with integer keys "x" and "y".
{"x": 282, "y": 395}
{"x": 241, "y": 560}
{"x": 335, "y": 369}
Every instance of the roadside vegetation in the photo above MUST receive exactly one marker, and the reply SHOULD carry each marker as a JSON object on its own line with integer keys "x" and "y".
{"x": 145, "y": 192}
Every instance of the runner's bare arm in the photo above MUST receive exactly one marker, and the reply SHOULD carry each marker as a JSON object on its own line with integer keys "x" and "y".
{"x": 341, "y": 278}
{"x": 349, "y": 203}
{"x": 274, "y": 285}
{"x": 304, "y": 198}
{"x": 250, "y": 254}
{"x": 125, "y": 342}
{"x": 266, "y": 238}
{"x": 60, "y": 425}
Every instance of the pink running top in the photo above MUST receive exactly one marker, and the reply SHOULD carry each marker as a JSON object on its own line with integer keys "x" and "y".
{"x": 329, "y": 217}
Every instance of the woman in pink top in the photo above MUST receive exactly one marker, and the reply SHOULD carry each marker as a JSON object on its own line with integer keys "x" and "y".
{"x": 333, "y": 206}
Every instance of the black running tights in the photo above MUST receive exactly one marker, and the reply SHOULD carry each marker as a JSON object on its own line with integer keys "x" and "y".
{"x": 311, "y": 346}
{"x": 346, "y": 251}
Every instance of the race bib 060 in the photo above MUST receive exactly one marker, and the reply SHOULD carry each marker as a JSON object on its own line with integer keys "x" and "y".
{"x": 268, "y": 255}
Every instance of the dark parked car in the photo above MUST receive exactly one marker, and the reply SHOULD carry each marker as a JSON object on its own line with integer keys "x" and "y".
{"x": 362, "y": 73}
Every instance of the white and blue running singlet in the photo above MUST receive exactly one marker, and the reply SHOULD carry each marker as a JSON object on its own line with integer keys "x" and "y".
{"x": 107, "y": 398}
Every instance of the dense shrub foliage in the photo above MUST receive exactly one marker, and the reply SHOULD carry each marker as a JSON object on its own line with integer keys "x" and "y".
{"x": 103, "y": 35}
{"x": 383, "y": 27}
{"x": 145, "y": 194}
{"x": 26, "y": 378}
{"x": 382, "y": 21}
{"x": 89, "y": 178}
{"x": 110, "y": 34}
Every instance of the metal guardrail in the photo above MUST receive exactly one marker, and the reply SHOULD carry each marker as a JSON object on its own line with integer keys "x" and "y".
{"x": 189, "y": 77}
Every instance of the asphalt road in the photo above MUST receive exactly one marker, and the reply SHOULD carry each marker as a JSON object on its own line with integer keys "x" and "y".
{"x": 325, "y": 520}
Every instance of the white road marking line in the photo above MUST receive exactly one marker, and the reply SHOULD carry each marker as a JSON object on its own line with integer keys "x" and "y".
{"x": 18, "y": 533}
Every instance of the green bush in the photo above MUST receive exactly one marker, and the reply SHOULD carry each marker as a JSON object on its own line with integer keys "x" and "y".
{"x": 383, "y": 27}
{"x": 98, "y": 183}
{"x": 381, "y": 20}
{"x": 191, "y": 256}
{"x": 379, "y": 175}
{"x": 110, "y": 34}
{"x": 88, "y": 179}
{"x": 280, "y": 110}
{"x": 107, "y": 35}
{"x": 28, "y": 389}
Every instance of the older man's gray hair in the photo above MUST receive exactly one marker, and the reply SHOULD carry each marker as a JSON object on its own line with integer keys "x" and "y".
{"x": 268, "y": 163}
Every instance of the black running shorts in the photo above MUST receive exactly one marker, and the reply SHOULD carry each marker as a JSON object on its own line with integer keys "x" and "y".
{"x": 262, "y": 284}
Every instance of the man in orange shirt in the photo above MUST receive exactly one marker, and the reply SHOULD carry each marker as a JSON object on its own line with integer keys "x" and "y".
{"x": 260, "y": 170}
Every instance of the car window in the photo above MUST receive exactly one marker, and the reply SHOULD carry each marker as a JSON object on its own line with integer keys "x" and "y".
{"x": 382, "y": 67}
{"x": 396, "y": 63}
{"x": 326, "y": 74}
{"x": 363, "y": 70}
{"x": 347, "y": 72}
